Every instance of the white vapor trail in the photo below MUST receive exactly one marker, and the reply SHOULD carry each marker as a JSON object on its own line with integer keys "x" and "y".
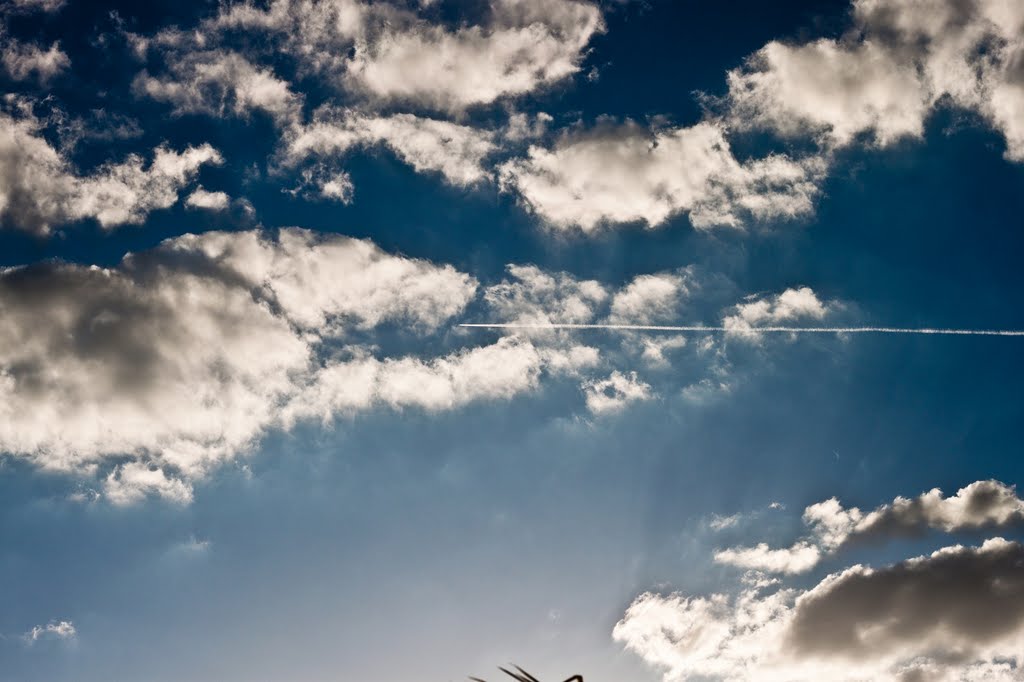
{"x": 778, "y": 330}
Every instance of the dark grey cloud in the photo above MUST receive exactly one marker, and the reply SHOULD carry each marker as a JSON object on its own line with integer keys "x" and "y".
{"x": 950, "y": 606}
{"x": 956, "y": 614}
{"x": 154, "y": 372}
{"x": 982, "y": 504}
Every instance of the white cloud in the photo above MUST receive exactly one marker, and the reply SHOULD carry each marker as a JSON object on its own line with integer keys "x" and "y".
{"x": 39, "y": 189}
{"x": 830, "y": 89}
{"x": 799, "y": 558}
{"x": 981, "y": 504}
{"x": 527, "y": 44}
{"x": 189, "y": 548}
{"x": 497, "y": 372}
{"x": 901, "y": 61}
{"x": 719, "y": 522}
{"x": 649, "y": 299}
{"x": 386, "y": 52}
{"x": 213, "y": 201}
{"x": 614, "y": 393}
{"x": 455, "y": 151}
{"x": 217, "y": 82}
{"x": 625, "y": 173}
{"x": 656, "y": 298}
{"x": 22, "y": 61}
{"x": 317, "y": 280}
{"x": 520, "y": 127}
{"x": 957, "y": 614}
{"x": 181, "y": 357}
{"x": 60, "y": 630}
{"x": 323, "y": 181}
{"x": 978, "y": 505}
{"x": 151, "y": 374}
{"x": 132, "y": 482}
{"x": 789, "y": 306}
{"x": 126, "y": 192}
{"x": 653, "y": 349}
{"x": 533, "y": 296}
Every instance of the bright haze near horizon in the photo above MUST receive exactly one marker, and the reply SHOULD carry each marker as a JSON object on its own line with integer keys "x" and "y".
{"x": 245, "y": 436}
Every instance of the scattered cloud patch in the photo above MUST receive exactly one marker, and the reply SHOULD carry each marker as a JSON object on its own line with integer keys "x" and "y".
{"x": 614, "y": 393}
{"x": 650, "y": 299}
{"x": 897, "y": 64}
{"x": 719, "y": 522}
{"x": 217, "y": 83}
{"x": 792, "y": 305}
{"x": 957, "y": 613}
{"x": 625, "y": 173}
{"x": 40, "y": 189}
{"x": 829, "y": 90}
{"x": 456, "y": 152}
{"x": 322, "y": 181}
{"x": 180, "y": 357}
{"x": 982, "y": 504}
{"x": 151, "y": 374}
{"x": 58, "y": 630}
{"x": 525, "y": 45}
{"x": 799, "y": 558}
{"x": 22, "y": 60}
{"x": 530, "y": 295}
{"x": 134, "y": 481}
{"x": 212, "y": 201}
{"x": 389, "y": 53}
{"x": 34, "y": 5}
{"x": 496, "y": 372}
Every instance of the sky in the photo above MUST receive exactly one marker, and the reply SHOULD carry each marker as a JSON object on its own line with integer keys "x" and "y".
{"x": 243, "y": 435}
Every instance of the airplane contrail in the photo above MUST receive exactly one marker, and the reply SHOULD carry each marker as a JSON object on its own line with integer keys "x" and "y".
{"x": 777, "y": 330}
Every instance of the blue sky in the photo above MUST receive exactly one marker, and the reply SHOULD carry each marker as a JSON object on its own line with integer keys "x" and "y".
{"x": 243, "y": 436}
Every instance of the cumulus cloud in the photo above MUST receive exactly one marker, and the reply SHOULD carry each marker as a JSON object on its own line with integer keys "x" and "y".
{"x": 653, "y": 351}
{"x": 657, "y": 298}
{"x": 499, "y": 371}
{"x": 799, "y": 558}
{"x": 649, "y": 299}
{"x": 22, "y": 60}
{"x": 791, "y": 305}
{"x": 456, "y": 152}
{"x": 126, "y": 192}
{"x": 388, "y": 52}
{"x": 152, "y": 373}
{"x": 957, "y": 614}
{"x": 202, "y": 198}
{"x": 878, "y": 83}
{"x": 832, "y": 89}
{"x": 625, "y": 173}
{"x": 323, "y": 181}
{"x": 527, "y": 44}
{"x": 615, "y": 392}
{"x": 218, "y": 82}
{"x": 899, "y": 61}
{"x": 64, "y": 629}
{"x": 530, "y": 295}
{"x": 134, "y": 481}
{"x": 982, "y": 504}
{"x": 40, "y": 189}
